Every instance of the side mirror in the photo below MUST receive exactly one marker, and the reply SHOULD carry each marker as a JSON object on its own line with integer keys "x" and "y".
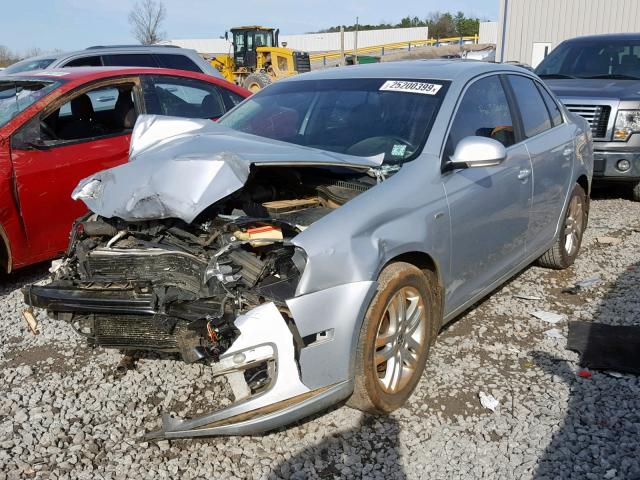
{"x": 226, "y": 35}
{"x": 477, "y": 152}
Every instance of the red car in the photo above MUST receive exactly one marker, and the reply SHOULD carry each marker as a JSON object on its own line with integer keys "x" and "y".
{"x": 59, "y": 126}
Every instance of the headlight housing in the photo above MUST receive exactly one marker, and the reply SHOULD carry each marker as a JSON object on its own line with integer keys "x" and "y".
{"x": 627, "y": 123}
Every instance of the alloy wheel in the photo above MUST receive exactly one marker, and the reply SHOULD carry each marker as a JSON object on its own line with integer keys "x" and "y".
{"x": 573, "y": 225}
{"x": 400, "y": 340}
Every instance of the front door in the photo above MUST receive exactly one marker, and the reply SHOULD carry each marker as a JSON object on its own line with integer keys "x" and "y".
{"x": 489, "y": 206}
{"x": 87, "y": 131}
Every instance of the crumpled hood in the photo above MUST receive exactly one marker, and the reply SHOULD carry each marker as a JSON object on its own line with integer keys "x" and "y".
{"x": 595, "y": 88}
{"x": 178, "y": 167}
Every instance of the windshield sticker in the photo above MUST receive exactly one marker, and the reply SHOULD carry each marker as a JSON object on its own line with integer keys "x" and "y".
{"x": 411, "y": 87}
{"x": 54, "y": 74}
{"x": 398, "y": 150}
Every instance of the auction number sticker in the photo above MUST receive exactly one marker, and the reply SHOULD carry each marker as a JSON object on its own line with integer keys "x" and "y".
{"x": 408, "y": 86}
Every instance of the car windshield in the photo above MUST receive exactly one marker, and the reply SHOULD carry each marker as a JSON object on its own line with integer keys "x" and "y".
{"x": 597, "y": 59}
{"x": 17, "y": 95}
{"x": 28, "y": 65}
{"x": 362, "y": 117}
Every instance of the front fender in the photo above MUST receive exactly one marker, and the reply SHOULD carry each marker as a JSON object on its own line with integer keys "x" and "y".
{"x": 398, "y": 216}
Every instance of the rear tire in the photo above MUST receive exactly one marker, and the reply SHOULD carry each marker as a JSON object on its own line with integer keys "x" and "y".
{"x": 635, "y": 192}
{"x": 256, "y": 81}
{"x": 567, "y": 245}
{"x": 397, "y": 332}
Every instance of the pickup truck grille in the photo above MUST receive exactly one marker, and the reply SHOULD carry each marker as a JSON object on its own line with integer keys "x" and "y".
{"x": 596, "y": 115}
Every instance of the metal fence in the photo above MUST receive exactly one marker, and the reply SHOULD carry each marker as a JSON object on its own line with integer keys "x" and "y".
{"x": 332, "y": 57}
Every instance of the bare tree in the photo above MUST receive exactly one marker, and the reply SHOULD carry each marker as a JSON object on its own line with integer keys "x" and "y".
{"x": 7, "y": 57}
{"x": 145, "y": 19}
{"x": 33, "y": 52}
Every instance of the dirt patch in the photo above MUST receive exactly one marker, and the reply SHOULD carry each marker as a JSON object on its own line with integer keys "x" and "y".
{"x": 48, "y": 359}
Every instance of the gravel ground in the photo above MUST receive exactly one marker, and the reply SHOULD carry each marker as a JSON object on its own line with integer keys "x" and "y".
{"x": 64, "y": 413}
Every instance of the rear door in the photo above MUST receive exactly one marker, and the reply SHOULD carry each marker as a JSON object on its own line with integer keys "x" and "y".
{"x": 549, "y": 142}
{"x": 489, "y": 206}
{"x": 86, "y": 131}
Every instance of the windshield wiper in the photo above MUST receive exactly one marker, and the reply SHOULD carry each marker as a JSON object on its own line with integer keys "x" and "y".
{"x": 618, "y": 76}
{"x": 555, "y": 75}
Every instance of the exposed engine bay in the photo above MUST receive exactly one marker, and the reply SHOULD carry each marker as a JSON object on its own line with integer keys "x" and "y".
{"x": 170, "y": 286}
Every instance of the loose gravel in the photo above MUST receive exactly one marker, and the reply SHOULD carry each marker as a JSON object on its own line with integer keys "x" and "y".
{"x": 66, "y": 413}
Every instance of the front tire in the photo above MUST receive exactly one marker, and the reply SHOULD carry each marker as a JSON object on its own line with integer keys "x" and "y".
{"x": 567, "y": 245}
{"x": 397, "y": 332}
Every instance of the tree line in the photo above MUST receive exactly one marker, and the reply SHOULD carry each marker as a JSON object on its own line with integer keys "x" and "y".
{"x": 9, "y": 57}
{"x": 440, "y": 25}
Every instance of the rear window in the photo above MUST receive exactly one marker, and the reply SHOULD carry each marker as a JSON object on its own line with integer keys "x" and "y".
{"x": 554, "y": 109}
{"x": 29, "y": 65}
{"x": 130, "y": 60}
{"x": 178, "y": 62}
{"x": 17, "y": 95}
{"x": 92, "y": 61}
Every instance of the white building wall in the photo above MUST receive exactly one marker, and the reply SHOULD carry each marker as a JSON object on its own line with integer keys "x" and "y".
{"x": 313, "y": 42}
{"x": 323, "y": 42}
{"x": 208, "y": 47}
{"x": 525, "y": 23}
{"x": 488, "y": 32}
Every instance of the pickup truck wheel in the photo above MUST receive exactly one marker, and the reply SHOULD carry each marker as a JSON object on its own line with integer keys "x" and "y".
{"x": 566, "y": 246}
{"x": 395, "y": 338}
{"x": 635, "y": 192}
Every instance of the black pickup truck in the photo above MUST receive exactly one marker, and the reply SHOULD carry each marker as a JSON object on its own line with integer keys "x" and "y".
{"x": 598, "y": 77}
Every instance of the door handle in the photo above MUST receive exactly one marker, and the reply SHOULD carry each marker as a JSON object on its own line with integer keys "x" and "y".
{"x": 524, "y": 174}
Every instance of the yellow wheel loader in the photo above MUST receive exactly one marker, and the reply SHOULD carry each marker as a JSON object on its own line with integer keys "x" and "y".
{"x": 257, "y": 60}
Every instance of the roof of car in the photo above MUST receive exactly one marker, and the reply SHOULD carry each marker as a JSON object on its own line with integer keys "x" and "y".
{"x": 84, "y": 74}
{"x": 90, "y": 73}
{"x": 411, "y": 69}
{"x": 606, "y": 36}
{"x": 103, "y": 48}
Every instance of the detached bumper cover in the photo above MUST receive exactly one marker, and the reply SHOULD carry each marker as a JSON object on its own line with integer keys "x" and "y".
{"x": 302, "y": 382}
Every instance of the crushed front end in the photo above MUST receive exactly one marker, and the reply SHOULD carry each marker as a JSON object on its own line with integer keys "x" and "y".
{"x": 221, "y": 290}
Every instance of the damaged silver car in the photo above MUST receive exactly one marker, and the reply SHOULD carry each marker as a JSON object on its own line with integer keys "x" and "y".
{"x": 310, "y": 245}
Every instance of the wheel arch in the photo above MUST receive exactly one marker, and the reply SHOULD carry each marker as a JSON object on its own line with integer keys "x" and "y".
{"x": 583, "y": 181}
{"x": 424, "y": 262}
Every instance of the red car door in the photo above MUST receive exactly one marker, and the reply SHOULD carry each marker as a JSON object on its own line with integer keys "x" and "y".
{"x": 88, "y": 132}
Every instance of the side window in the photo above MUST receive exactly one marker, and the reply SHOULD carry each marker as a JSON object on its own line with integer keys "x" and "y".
{"x": 552, "y": 106}
{"x": 94, "y": 61}
{"x": 130, "y": 60}
{"x": 535, "y": 117}
{"x": 103, "y": 111}
{"x": 179, "y": 62}
{"x": 484, "y": 112}
{"x": 231, "y": 99}
{"x": 182, "y": 97}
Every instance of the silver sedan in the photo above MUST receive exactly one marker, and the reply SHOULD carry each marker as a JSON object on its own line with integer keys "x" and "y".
{"x": 310, "y": 245}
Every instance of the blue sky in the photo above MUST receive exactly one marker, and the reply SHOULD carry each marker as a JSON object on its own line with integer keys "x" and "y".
{"x": 75, "y": 24}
